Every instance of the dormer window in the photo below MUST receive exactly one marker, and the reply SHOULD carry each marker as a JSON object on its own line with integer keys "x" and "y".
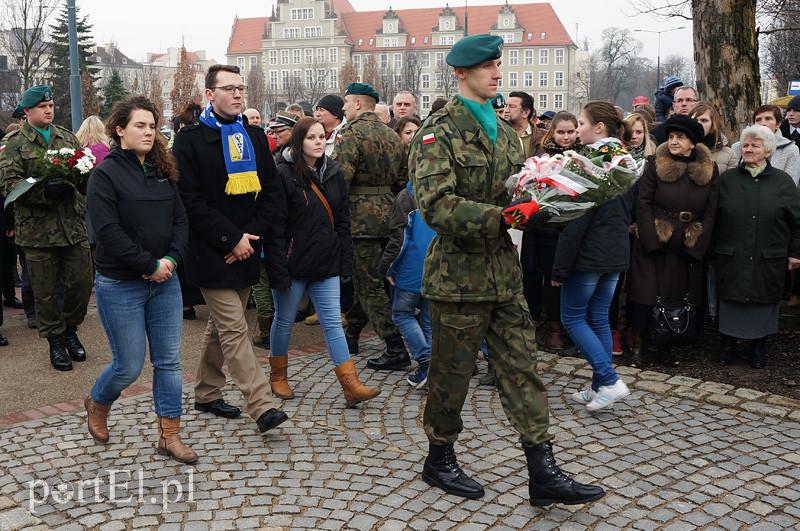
{"x": 413, "y": 40}
{"x": 371, "y": 41}
{"x": 360, "y": 42}
{"x": 530, "y": 36}
{"x": 425, "y": 41}
{"x": 543, "y": 35}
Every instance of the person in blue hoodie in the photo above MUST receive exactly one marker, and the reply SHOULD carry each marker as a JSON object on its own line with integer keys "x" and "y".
{"x": 401, "y": 263}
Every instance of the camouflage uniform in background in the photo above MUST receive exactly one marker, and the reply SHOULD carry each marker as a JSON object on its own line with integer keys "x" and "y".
{"x": 51, "y": 232}
{"x": 472, "y": 275}
{"x": 371, "y": 156}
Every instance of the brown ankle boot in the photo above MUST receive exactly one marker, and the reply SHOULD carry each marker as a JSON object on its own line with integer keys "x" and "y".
{"x": 555, "y": 337}
{"x": 170, "y": 443}
{"x": 278, "y": 377}
{"x": 354, "y": 391}
{"x": 262, "y": 329}
{"x": 97, "y": 419}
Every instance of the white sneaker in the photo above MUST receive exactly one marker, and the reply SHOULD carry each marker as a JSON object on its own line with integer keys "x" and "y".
{"x": 585, "y": 396}
{"x": 608, "y": 394}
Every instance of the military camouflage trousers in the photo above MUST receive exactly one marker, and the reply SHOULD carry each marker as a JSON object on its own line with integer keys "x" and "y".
{"x": 458, "y": 329}
{"x": 262, "y": 293}
{"x": 371, "y": 301}
{"x": 71, "y": 267}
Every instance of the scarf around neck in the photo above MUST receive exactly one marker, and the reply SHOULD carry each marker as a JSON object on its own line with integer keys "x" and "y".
{"x": 237, "y": 150}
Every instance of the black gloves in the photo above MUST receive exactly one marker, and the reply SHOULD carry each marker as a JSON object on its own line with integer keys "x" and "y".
{"x": 58, "y": 190}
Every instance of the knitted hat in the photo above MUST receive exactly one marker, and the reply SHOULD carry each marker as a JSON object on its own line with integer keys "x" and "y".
{"x": 333, "y": 104}
{"x": 672, "y": 82}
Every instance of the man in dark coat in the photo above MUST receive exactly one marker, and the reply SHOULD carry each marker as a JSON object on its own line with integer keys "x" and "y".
{"x": 227, "y": 188}
{"x": 790, "y": 127}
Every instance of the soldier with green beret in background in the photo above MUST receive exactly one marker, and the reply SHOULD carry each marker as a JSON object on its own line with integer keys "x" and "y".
{"x": 371, "y": 156}
{"x": 49, "y": 223}
{"x": 459, "y": 162}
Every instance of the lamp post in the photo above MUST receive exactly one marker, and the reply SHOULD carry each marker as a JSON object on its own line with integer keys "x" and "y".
{"x": 658, "y": 61}
{"x": 76, "y": 105}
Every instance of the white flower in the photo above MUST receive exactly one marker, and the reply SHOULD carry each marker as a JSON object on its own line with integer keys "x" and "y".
{"x": 84, "y": 165}
{"x": 64, "y": 152}
{"x": 87, "y": 150}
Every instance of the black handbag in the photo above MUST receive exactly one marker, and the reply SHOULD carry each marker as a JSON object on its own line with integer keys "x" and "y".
{"x": 673, "y": 325}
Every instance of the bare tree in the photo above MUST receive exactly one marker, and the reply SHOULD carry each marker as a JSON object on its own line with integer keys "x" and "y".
{"x": 782, "y": 43}
{"x": 91, "y": 102}
{"x": 184, "y": 86}
{"x": 387, "y": 83}
{"x": 348, "y": 74}
{"x": 614, "y": 61}
{"x": 411, "y": 73}
{"x": 370, "y": 74}
{"x": 256, "y": 88}
{"x": 25, "y": 23}
{"x": 446, "y": 80}
{"x": 294, "y": 89}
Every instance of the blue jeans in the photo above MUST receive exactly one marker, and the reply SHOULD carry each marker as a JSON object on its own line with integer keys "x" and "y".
{"x": 324, "y": 295}
{"x": 585, "y": 300}
{"x": 134, "y": 312}
{"x": 416, "y": 333}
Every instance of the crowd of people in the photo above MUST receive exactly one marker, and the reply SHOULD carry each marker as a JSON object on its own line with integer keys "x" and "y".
{"x": 357, "y": 212}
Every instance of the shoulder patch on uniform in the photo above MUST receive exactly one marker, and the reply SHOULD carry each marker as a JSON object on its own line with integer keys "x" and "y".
{"x": 429, "y": 138}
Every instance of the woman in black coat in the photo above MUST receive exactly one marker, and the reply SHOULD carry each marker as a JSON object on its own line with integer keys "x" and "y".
{"x": 675, "y": 213}
{"x": 309, "y": 248}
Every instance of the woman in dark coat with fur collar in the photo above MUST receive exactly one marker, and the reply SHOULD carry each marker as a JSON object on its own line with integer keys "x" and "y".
{"x": 675, "y": 214}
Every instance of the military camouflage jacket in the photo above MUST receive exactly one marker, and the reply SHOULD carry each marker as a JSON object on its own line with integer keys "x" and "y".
{"x": 371, "y": 157}
{"x": 40, "y": 222}
{"x": 459, "y": 182}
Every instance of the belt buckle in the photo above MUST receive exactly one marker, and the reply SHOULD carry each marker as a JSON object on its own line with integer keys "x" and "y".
{"x": 684, "y": 216}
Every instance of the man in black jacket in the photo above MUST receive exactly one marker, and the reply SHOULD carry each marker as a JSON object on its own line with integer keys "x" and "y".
{"x": 790, "y": 128}
{"x": 228, "y": 189}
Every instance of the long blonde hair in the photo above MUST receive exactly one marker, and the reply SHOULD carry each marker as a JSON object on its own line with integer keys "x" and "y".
{"x": 649, "y": 144}
{"x": 92, "y": 131}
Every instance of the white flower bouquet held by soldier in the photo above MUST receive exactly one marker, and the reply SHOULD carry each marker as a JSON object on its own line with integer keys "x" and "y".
{"x": 564, "y": 187}
{"x": 65, "y": 164}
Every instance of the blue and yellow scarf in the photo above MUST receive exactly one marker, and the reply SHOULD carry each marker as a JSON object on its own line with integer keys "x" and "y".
{"x": 237, "y": 150}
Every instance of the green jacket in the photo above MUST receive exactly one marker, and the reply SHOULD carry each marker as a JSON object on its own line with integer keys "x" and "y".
{"x": 371, "y": 157}
{"x": 40, "y": 222}
{"x": 756, "y": 229}
{"x": 459, "y": 183}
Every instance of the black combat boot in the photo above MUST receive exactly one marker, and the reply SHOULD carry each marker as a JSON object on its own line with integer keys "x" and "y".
{"x": 757, "y": 353}
{"x": 441, "y": 470}
{"x": 395, "y": 358}
{"x": 488, "y": 378}
{"x": 73, "y": 344}
{"x": 351, "y": 335}
{"x": 548, "y": 484}
{"x": 59, "y": 357}
{"x": 727, "y": 349}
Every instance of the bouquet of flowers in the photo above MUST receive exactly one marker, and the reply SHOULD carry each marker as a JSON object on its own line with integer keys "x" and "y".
{"x": 567, "y": 185}
{"x": 66, "y": 164}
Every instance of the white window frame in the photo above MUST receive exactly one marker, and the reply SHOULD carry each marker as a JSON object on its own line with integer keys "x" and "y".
{"x": 527, "y": 81}
{"x": 285, "y": 77}
{"x": 320, "y": 56}
{"x": 333, "y": 55}
{"x": 383, "y": 61}
{"x": 439, "y": 58}
{"x": 285, "y": 57}
{"x": 333, "y": 78}
{"x": 297, "y": 56}
{"x": 309, "y": 77}
{"x": 426, "y": 102}
{"x": 241, "y": 63}
{"x": 513, "y": 80}
{"x": 529, "y": 57}
{"x": 544, "y": 79}
{"x": 508, "y": 38}
{"x": 425, "y": 81}
{"x": 426, "y": 60}
{"x": 558, "y": 79}
{"x": 273, "y": 81}
{"x": 291, "y": 33}
{"x": 302, "y": 13}
{"x": 397, "y": 62}
{"x": 390, "y": 42}
{"x": 253, "y": 62}
{"x": 312, "y": 32}
{"x": 544, "y": 56}
{"x": 357, "y": 62}
{"x": 309, "y": 55}
{"x": 559, "y": 56}
{"x": 543, "y": 102}
{"x": 273, "y": 57}
{"x": 513, "y": 57}
{"x": 558, "y": 102}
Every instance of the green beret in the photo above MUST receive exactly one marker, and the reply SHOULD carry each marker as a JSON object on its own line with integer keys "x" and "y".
{"x": 498, "y": 102}
{"x": 362, "y": 89}
{"x": 475, "y": 50}
{"x": 18, "y": 112}
{"x": 35, "y": 95}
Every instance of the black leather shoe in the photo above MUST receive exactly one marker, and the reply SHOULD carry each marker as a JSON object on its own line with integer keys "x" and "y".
{"x": 757, "y": 353}
{"x": 396, "y": 356}
{"x": 14, "y": 302}
{"x": 441, "y": 470}
{"x": 59, "y": 357}
{"x": 488, "y": 379}
{"x": 727, "y": 350}
{"x": 73, "y": 344}
{"x": 351, "y": 335}
{"x": 271, "y": 418}
{"x": 219, "y": 408}
{"x": 548, "y": 484}
{"x": 3, "y": 341}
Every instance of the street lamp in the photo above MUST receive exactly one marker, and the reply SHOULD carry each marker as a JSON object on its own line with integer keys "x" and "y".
{"x": 658, "y": 63}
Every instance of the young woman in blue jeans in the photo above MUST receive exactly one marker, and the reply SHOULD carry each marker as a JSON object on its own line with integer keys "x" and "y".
{"x": 591, "y": 253}
{"x": 142, "y": 231}
{"x": 309, "y": 249}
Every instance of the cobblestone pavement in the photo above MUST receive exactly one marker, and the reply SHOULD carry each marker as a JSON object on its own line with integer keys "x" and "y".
{"x": 668, "y": 462}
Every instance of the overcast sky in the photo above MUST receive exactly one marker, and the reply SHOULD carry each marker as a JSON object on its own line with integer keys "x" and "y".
{"x": 153, "y": 25}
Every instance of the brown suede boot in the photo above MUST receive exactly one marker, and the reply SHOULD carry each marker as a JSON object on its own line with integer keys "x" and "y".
{"x": 354, "y": 391}
{"x": 278, "y": 377}
{"x": 170, "y": 443}
{"x": 262, "y": 329}
{"x": 555, "y": 340}
{"x": 97, "y": 419}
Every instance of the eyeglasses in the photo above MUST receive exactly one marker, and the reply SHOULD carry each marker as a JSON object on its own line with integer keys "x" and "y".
{"x": 231, "y": 89}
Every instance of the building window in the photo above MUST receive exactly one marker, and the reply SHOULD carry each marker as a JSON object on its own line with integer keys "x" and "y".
{"x": 309, "y": 55}
{"x": 447, "y": 40}
{"x": 384, "y": 58}
{"x": 439, "y": 81}
{"x": 284, "y": 57}
{"x": 508, "y": 38}
{"x": 285, "y": 79}
{"x": 439, "y": 59}
{"x": 558, "y": 102}
{"x": 273, "y": 57}
{"x": 500, "y": 83}
{"x": 426, "y": 81}
{"x": 426, "y": 103}
{"x": 559, "y": 56}
{"x": 512, "y": 80}
{"x": 320, "y": 55}
{"x": 528, "y": 80}
{"x": 426, "y": 60}
{"x": 297, "y": 56}
{"x": 241, "y": 63}
{"x": 303, "y": 13}
{"x": 398, "y": 61}
{"x": 528, "y": 57}
{"x": 253, "y": 63}
{"x": 544, "y": 57}
{"x": 273, "y": 80}
{"x": 291, "y": 33}
{"x": 544, "y": 79}
{"x": 333, "y": 55}
{"x": 559, "y": 79}
{"x": 390, "y": 42}
{"x": 357, "y": 62}
{"x": 309, "y": 77}
{"x": 313, "y": 32}
{"x": 333, "y": 78}
{"x": 542, "y": 102}
{"x": 513, "y": 57}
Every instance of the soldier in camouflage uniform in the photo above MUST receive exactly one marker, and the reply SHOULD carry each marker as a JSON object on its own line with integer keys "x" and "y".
{"x": 371, "y": 157}
{"x": 459, "y": 162}
{"x": 49, "y": 227}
